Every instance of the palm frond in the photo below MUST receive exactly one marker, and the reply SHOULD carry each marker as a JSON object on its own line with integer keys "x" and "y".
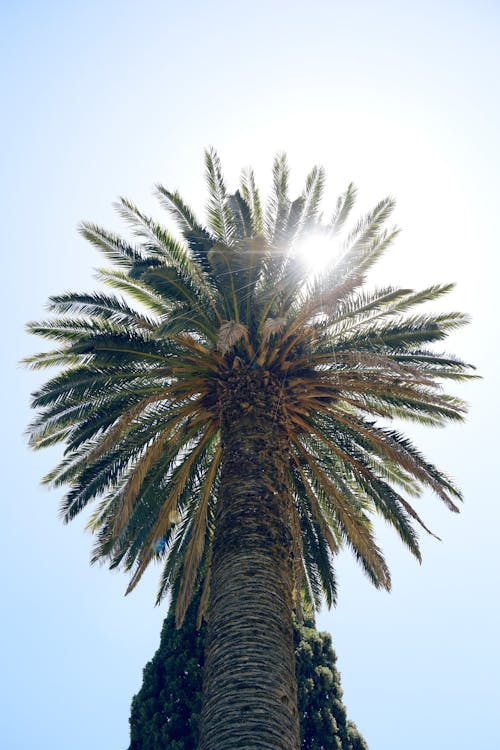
{"x": 279, "y": 202}
{"x": 220, "y": 218}
{"x": 343, "y": 207}
{"x": 196, "y": 546}
{"x": 113, "y": 247}
{"x": 250, "y": 194}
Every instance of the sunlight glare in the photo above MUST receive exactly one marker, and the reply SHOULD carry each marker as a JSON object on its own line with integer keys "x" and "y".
{"x": 317, "y": 250}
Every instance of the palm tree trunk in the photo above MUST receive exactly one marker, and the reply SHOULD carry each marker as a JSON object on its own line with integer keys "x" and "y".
{"x": 250, "y": 691}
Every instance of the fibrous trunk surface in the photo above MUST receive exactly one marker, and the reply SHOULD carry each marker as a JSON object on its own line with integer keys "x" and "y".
{"x": 250, "y": 693}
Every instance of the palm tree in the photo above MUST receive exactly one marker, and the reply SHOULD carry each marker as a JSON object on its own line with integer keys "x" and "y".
{"x": 234, "y": 423}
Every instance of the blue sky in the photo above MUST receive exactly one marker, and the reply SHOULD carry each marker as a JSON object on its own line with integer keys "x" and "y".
{"x": 103, "y": 99}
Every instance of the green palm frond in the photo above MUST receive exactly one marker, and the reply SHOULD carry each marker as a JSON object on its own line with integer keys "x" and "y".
{"x": 251, "y": 196}
{"x": 343, "y": 207}
{"x": 101, "y": 305}
{"x": 138, "y": 291}
{"x": 220, "y": 217}
{"x": 279, "y": 202}
{"x": 114, "y": 248}
{"x": 312, "y": 195}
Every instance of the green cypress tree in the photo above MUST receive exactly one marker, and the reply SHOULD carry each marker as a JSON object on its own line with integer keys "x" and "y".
{"x": 322, "y": 715}
{"x": 165, "y": 712}
{"x": 355, "y": 739}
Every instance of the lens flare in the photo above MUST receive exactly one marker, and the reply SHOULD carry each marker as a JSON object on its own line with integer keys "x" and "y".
{"x": 317, "y": 250}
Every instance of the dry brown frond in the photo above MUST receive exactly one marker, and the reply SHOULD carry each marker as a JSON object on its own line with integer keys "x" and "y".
{"x": 308, "y": 429}
{"x": 393, "y": 450}
{"x": 324, "y": 301}
{"x": 413, "y": 513}
{"x": 205, "y": 594}
{"x": 298, "y": 562}
{"x": 194, "y": 551}
{"x": 272, "y": 325}
{"x": 132, "y": 489}
{"x": 177, "y": 486}
{"x": 167, "y": 437}
{"x": 354, "y": 523}
{"x": 121, "y": 425}
{"x": 385, "y": 364}
{"x": 329, "y": 300}
{"x": 229, "y": 334}
{"x": 316, "y": 509}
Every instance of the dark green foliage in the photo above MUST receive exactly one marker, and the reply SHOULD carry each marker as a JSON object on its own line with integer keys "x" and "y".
{"x": 165, "y": 712}
{"x": 354, "y": 738}
{"x": 323, "y": 723}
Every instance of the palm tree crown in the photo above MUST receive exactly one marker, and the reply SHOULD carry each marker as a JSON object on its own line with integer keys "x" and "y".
{"x": 230, "y": 322}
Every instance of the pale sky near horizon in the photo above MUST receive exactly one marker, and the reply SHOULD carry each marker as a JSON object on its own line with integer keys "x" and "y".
{"x": 106, "y": 99}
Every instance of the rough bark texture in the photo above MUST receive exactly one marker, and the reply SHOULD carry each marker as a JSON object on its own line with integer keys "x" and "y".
{"x": 250, "y": 691}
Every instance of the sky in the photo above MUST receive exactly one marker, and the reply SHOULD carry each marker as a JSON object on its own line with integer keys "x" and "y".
{"x": 107, "y": 99}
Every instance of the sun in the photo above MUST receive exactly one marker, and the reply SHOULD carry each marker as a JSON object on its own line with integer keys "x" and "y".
{"x": 317, "y": 250}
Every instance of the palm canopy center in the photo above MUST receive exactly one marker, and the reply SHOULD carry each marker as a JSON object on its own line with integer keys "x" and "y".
{"x": 235, "y": 424}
